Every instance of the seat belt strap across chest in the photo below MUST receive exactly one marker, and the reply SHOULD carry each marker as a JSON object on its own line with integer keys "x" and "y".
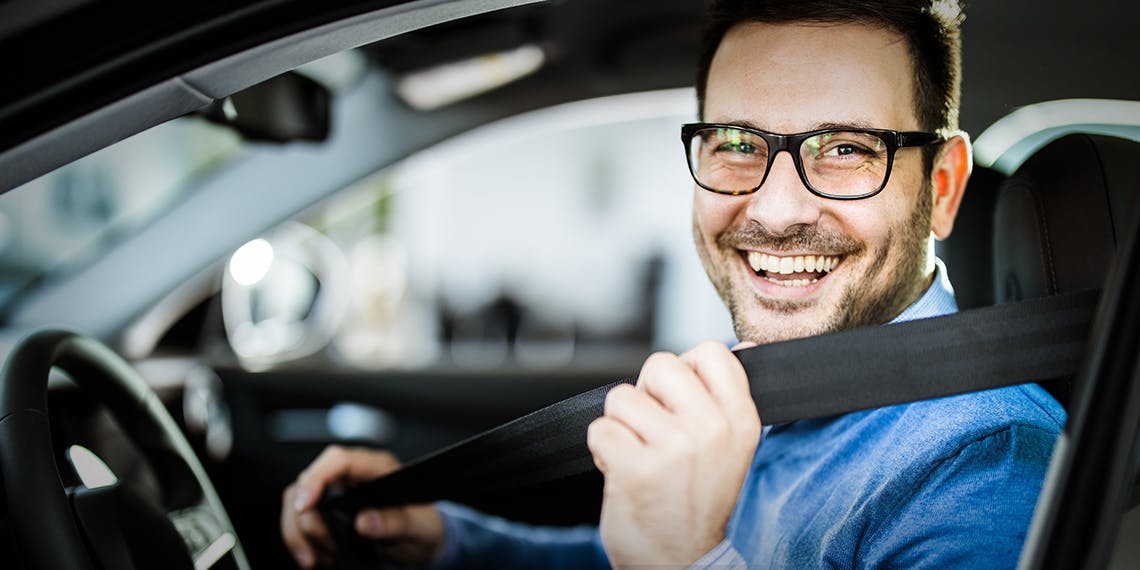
{"x": 821, "y": 376}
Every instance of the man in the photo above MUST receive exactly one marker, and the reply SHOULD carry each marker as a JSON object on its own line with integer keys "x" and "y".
{"x": 834, "y": 233}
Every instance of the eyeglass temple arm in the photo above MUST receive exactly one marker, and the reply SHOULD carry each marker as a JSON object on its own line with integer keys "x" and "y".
{"x": 917, "y": 138}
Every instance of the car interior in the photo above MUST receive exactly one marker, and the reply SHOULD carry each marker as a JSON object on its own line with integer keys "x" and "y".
{"x": 316, "y": 119}
{"x": 1059, "y": 223}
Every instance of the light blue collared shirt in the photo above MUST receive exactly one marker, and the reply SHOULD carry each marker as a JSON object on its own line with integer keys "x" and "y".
{"x": 946, "y": 483}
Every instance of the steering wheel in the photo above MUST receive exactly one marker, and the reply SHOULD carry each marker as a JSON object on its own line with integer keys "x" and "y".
{"x": 112, "y": 526}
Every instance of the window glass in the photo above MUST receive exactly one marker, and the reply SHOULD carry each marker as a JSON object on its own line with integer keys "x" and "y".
{"x": 560, "y": 238}
{"x": 70, "y": 216}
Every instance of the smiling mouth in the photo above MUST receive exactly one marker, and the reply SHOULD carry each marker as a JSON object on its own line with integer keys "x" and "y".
{"x": 792, "y": 271}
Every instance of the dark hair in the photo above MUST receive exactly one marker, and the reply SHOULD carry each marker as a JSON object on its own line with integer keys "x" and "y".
{"x": 930, "y": 28}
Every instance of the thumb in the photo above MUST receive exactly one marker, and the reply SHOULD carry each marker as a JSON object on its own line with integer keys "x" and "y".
{"x": 370, "y": 524}
{"x": 378, "y": 524}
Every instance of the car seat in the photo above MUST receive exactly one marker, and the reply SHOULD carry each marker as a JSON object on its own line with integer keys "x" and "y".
{"x": 968, "y": 253}
{"x": 1059, "y": 218}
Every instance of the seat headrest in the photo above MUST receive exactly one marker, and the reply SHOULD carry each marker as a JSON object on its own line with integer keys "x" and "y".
{"x": 1058, "y": 219}
{"x": 968, "y": 252}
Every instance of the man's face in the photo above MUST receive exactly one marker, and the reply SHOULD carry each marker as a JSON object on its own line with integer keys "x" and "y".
{"x": 795, "y": 78}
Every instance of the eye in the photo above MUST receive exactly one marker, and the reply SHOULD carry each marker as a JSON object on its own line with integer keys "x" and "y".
{"x": 738, "y": 147}
{"x": 844, "y": 146}
{"x": 848, "y": 149}
{"x": 732, "y": 143}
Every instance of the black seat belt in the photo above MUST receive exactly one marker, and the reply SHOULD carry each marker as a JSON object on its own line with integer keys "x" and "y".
{"x": 831, "y": 374}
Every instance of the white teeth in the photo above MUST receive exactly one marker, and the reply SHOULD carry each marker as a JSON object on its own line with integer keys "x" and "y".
{"x": 788, "y": 265}
{"x": 755, "y": 260}
{"x": 792, "y": 282}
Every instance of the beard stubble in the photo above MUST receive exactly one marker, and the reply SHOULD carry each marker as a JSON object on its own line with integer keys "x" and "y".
{"x": 860, "y": 304}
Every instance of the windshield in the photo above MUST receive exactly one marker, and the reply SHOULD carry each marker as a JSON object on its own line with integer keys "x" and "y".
{"x": 67, "y": 218}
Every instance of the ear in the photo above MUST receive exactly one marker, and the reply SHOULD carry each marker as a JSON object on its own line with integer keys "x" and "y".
{"x": 952, "y": 167}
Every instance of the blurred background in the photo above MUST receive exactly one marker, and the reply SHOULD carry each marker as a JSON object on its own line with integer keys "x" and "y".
{"x": 557, "y": 238}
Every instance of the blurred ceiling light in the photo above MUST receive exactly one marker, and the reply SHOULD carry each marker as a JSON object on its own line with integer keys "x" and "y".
{"x": 251, "y": 262}
{"x": 445, "y": 84}
{"x": 93, "y": 473}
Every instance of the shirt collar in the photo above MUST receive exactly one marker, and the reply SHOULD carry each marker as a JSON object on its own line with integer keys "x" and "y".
{"x": 936, "y": 301}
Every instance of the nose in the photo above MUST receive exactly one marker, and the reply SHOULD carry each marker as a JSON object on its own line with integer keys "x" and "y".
{"x": 783, "y": 202}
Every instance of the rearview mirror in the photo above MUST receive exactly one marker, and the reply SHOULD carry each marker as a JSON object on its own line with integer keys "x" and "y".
{"x": 285, "y": 108}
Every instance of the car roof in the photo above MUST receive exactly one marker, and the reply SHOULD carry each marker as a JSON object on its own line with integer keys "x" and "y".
{"x": 77, "y": 61}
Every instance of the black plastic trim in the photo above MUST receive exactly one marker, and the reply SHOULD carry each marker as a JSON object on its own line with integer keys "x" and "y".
{"x": 100, "y": 53}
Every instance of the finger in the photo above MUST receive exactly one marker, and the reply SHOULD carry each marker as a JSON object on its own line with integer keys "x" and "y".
{"x": 641, "y": 413}
{"x": 338, "y": 464}
{"x": 724, "y": 376}
{"x": 297, "y": 546}
{"x": 314, "y": 530}
{"x": 295, "y": 541}
{"x": 305, "y": 556}
{"x": 379, "y": 524}
{"x": 370, "y": 524}
{"x": 610, "y": 441}
{"x": 422, "y": 540}
{"x": 676, "y": 385}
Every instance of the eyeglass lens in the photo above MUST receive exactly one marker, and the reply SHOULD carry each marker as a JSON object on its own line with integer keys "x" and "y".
{"x": 835, "y": 163}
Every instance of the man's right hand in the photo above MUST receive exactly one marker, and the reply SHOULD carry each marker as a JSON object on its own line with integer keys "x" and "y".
{"x": 408, "y": 535}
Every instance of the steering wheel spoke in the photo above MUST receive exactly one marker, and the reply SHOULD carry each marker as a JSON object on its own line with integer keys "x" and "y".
{"x": 124, "y": 529}
{"x": 113, "y": 525}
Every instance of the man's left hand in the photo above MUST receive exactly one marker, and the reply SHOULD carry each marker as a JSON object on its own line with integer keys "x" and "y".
{"x": 675, "y": 451}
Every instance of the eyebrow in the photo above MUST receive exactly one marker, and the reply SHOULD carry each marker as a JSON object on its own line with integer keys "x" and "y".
{"x": 855, "y": 124}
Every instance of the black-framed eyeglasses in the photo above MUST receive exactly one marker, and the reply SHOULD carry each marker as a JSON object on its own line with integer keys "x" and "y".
{"x": 840, "y": 163}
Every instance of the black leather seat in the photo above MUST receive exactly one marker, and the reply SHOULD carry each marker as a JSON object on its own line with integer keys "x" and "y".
{"x": 968, "y": 253}
{"x": 1059, "y": 218}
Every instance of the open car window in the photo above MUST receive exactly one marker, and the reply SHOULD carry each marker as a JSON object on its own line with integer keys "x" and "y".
{"x": 68, "y": 218}
{"x": 557, "y": 238}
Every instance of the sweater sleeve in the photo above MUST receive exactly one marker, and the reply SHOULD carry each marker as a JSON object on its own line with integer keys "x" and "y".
{"x": 476, "y": 540}
{"x": 972, "y": 510}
